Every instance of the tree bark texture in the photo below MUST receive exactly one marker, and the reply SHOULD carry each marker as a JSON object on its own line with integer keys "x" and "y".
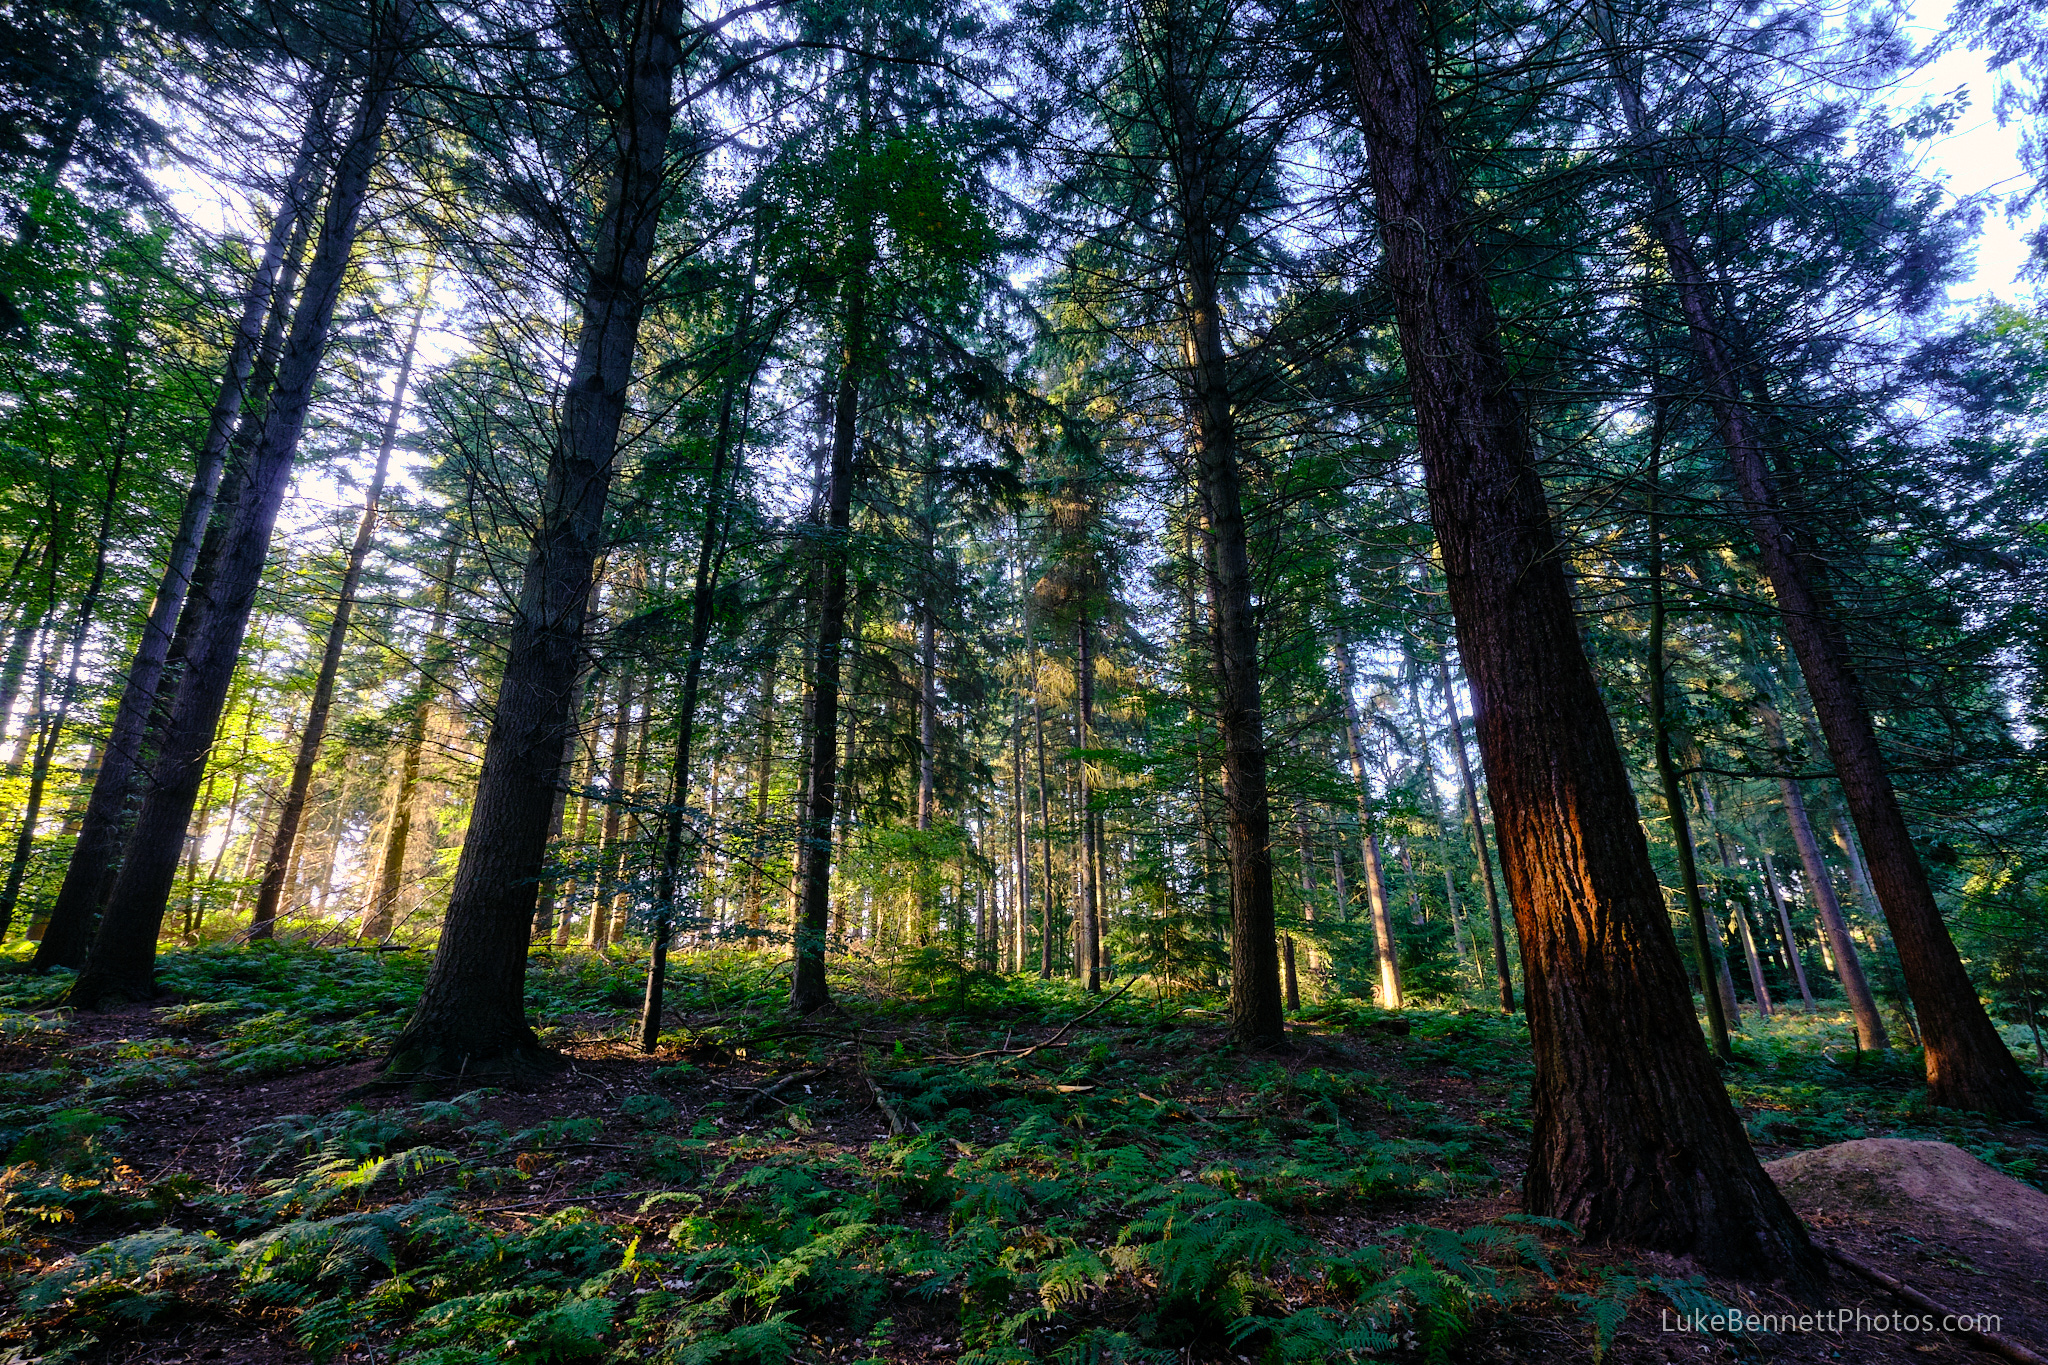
{"x": 122, "y": 962}
{"x": 472, "y": 1013}
{"x": 1634, "y": 1138}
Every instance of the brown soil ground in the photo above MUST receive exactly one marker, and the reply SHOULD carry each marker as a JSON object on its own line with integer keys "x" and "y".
{"x": 1930, "y": 1234}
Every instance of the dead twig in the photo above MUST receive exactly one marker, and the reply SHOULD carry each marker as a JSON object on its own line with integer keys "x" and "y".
{"x": 1053, "y": 1041}
{"x": 766, "y": 1093}
{"x": 898, "y": 1125}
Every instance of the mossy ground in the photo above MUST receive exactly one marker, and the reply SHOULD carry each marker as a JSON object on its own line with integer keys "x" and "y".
{"x": 224, "y": 1176}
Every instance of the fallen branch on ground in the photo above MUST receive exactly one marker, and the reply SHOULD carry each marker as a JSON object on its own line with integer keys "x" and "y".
{"x": 1050, "y": 1042}
{"x": 1989, "y": 1341}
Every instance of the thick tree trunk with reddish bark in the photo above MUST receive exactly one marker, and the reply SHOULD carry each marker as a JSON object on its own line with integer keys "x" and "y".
{"x": 471, "y": 1018}
{"x": 122, "y": 963}
{"x": 1634, "y": 1138}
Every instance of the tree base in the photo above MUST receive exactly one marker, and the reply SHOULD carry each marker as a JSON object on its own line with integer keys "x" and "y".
{"x": 101, "y": 991}
{"x": 516, "y": 1066}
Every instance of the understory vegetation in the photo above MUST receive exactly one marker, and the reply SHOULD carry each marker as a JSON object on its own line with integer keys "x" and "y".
{"x": 997, "y": 1166}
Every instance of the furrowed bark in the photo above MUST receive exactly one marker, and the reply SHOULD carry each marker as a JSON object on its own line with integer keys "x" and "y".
{"x": 1634, "y": 1138}
{"x": 471, "y": 1017}
{"x": 122, "y": 962}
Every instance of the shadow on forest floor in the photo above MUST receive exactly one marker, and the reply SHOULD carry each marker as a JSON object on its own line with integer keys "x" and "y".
{"x": 204, "y": 1181}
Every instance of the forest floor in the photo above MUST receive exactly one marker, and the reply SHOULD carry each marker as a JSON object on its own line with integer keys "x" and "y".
{"x": 947, "y": 1168}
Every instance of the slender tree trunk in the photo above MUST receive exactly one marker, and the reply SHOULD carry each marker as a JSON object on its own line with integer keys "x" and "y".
{"x": 1792, "y": 953}
{"x": 1466, "y": 941}
{"x": 1090, "y": 927}
{"x": 1503, "y": 977}
{"x": 251, "y": 362}
{"x": 703, "y": 594}
{"x": 1045, "y": 925}
{"x": 610, "y": 852}
{"x": 1968, "y": 1064}
{"x": 808, "y": 990}
{"x": 1257, "y": 1011}
{"x": 315, "y": 732}
{"x": 927, "y": 710}
{"x": 1704, "y": 941}
{"x": 472, "y": 1014}
{"x": 1020, "y": 901}
{"x": 1870, "y": 1030}
{"x": 764, "y": 755}
{"x": 381, "y": 915}
{"x": 1382, "y": 924}
{"x": 1757, "y": 988}
{"x": 1384, "y": 946}
{"x": 51, "y": 723}
{"x": 1634, "y": 1138}
{"x": 122, "y": 962}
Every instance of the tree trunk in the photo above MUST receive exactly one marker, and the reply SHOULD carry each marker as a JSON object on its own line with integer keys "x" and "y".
{"x": 1045, "y": 924}
{"x": 1792, "y": 953}
{"x": 764, "y": 756}
{"x": 251, "y": 359}
{"x": 1503, "y": 976}
{"x": 1968, "y": 1064}
{"x": 611, "y": 856}
{"x": 1704, "y": 942}
{"x": 703, "y": 592}
{"x": 1257, "y": 1011}
{"x": 1634, "y": 1138}
{"x": 808, "y": 990}
{"x": 1870, "y": 1030}
{"x": 1090, "y": 927}
{"x": 315, "y": 732}
{"x": 1384, "y": 947}
{"x": 51, "y": 725}
{"x": 1733, "y": 899}
{"x": 472, "y": 1015}
{"x": 122, "y": 962}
